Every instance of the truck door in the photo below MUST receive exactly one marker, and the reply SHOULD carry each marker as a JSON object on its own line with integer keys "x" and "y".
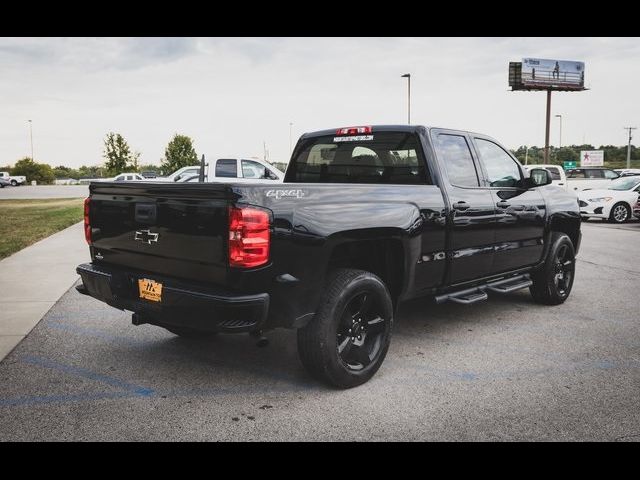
{"x": 471, "y": 208}
{"x": 520, "y": 212}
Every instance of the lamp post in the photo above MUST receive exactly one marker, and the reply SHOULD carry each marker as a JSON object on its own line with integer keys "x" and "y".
{"x": 560, "y": 141}
{"x": 408, "y": 77}
{"x": 290, "y": 130}
{"x": 31, "y": 137}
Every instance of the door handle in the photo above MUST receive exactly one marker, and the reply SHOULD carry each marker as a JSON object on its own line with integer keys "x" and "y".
{"x": 461, "y": 205}
{"x": 503, "y": 204}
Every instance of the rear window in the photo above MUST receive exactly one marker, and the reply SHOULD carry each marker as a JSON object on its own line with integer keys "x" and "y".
{"x": 387, "y": 157}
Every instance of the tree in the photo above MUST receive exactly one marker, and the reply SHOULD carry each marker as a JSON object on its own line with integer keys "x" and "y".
{"x": 92, "y": 171}
{"x": 65, "y": 172}
{"x": 179, "y": 153}
{"x": 118, "y": 155}
{"x": 40, "y": 172}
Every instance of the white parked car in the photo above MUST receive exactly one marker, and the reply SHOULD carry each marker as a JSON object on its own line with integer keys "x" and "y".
{"x": 584, "y": 178}
{"x": 238, "y": 170}
{"x": 180, "y": 174}
{"x": 14, "y": 180}
{"x": 557, "y": 174}
{"x": 615, "y": 203}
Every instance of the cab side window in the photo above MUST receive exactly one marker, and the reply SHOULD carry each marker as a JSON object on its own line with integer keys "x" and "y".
{"x": 577, "y": 174}
{"x": 502, "y": 170}
{"x": 610, "y": 174}
{"x": 227, "y": 168}
{"x": 594, "y": 173}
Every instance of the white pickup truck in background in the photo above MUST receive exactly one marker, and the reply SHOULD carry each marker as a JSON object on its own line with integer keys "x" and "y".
{"x": 231, "y": 170}
{"x": 14, "y": 180}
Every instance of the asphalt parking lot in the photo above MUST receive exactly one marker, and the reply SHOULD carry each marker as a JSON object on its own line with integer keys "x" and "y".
{"x": 506, "y": 369}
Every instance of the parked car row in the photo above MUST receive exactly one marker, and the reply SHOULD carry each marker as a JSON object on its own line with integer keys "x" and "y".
{"x": 616, "y": 203}
{"x": 225, "y": 170}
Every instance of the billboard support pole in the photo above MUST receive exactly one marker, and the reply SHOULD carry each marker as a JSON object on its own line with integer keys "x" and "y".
{"x": 546, "y": 135}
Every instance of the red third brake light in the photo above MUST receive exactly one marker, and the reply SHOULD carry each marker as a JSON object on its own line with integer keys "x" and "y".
{"x": 353, "y": 131}
{"x": 87, "y": 223}
{"x": 249, "y": 237}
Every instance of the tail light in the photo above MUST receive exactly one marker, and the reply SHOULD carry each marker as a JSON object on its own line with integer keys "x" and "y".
{"x": 249, "y": 237}
{"x": 87, "y": 223}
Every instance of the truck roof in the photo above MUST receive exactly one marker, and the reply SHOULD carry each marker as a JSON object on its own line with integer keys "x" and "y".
{"x": 389, "y": 128}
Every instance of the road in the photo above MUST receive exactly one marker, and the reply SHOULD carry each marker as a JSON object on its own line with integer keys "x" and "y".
{"x": 44, "y": 191}
{"x": 505, "y": 369}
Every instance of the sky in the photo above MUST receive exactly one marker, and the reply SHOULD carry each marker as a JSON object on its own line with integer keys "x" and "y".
{"x": 230, "y": 95}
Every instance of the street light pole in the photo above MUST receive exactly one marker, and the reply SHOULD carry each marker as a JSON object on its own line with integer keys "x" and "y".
{"x": 290, "y": 130}
{"x": 560, "y": 141}
{"x": 408, "y": 77}
{"x": 629, "y": 146}
{"x": 31, "y": 137}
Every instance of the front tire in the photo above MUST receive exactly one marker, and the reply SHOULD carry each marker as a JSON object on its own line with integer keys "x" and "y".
{"x": 620, "y": 213}
{"x": 348, "y": 338}
{"x": 553, "y": 282}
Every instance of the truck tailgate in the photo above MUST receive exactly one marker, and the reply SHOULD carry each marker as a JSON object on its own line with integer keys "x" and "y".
{"x": 171, "y": 229}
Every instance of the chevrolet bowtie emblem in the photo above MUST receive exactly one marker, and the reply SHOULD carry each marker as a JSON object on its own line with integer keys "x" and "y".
{"x": 146, "y": 236}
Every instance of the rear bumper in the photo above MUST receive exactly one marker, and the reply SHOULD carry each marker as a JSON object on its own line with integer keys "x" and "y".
{"x": 184, "y": 305}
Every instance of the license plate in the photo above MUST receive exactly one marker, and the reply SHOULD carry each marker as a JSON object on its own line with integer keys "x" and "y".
{"x": 150, "y": 289}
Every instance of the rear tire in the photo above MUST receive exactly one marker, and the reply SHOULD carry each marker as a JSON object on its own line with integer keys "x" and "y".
{"x": 620, "y": 213}
{"x": 553, "y": 282}
{"x": 347, "y": 340}
{"x": 14, "y": 183}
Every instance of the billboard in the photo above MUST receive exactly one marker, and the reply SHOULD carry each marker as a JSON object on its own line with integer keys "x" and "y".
{"x": 545, "y": 74}
{"x": 592, "y": 158}
{"x": 542, "y": 72}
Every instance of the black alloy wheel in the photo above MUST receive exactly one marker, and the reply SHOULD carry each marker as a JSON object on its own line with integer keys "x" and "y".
{"x": 360, "y": 333}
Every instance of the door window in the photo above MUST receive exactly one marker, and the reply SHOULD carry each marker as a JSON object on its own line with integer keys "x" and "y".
{"x": 252, "y": 169}
{"x": 502, "y": 170}
{"x": 610, "y": 174}
{"x": 454, "y": 153}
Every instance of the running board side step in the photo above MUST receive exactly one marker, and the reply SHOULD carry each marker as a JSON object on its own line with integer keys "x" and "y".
{"x": 478, "y": 293}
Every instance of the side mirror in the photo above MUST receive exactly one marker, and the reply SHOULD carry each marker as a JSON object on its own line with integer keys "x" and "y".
{"x": 269, "y": 175}
{"x": 538, "y": 177}
{"x": 178, "y": 177}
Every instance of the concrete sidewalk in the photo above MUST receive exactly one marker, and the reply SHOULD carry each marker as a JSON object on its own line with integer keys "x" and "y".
{"x": 32, "y": 280}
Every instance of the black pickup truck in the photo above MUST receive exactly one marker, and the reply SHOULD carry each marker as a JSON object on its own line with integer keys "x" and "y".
{"x": 366, "y": 217}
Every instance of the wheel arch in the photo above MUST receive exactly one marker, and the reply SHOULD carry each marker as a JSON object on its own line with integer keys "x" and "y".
{"x": 382, "y": 256}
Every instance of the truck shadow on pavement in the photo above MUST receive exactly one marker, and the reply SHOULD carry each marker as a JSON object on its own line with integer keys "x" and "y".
{"x": 148, "y": 362}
